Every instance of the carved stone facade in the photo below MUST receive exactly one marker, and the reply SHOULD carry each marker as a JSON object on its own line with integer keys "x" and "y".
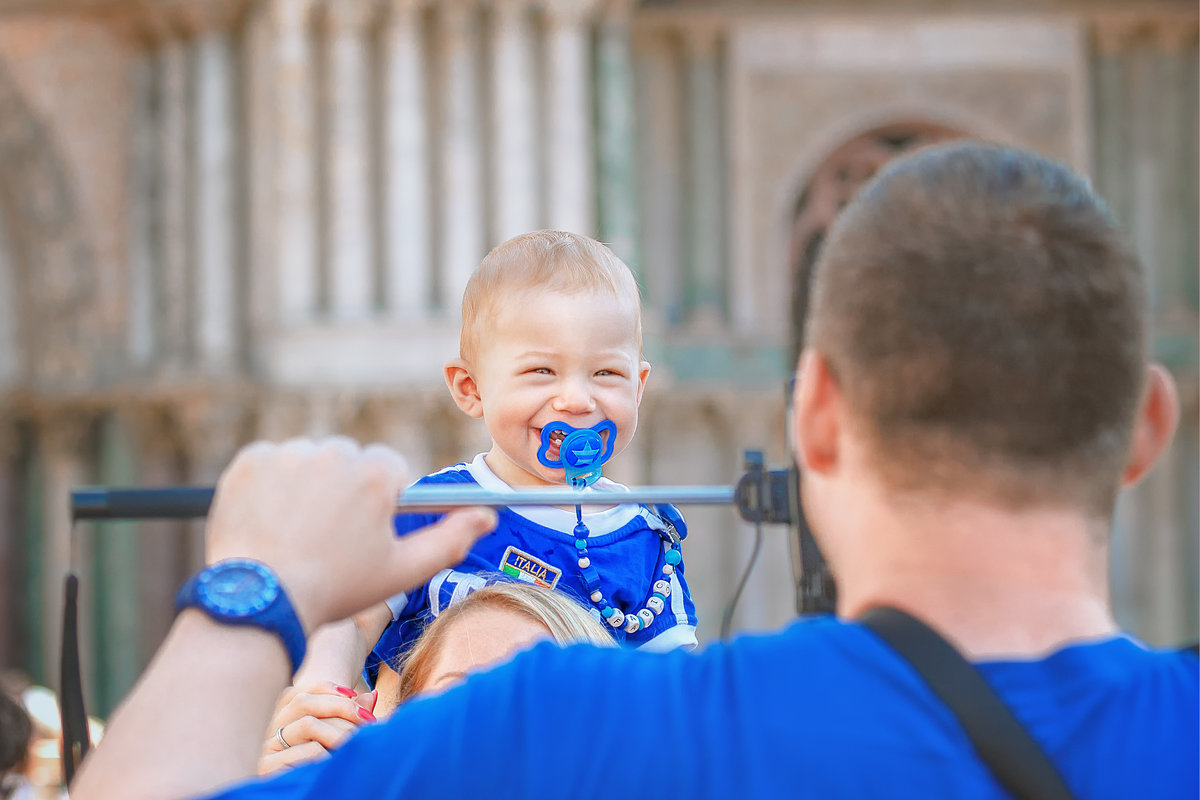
{"x": 228, "y": 220}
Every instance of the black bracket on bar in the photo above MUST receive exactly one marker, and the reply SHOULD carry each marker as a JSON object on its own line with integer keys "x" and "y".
{"x": 763, "y": 495}
{"x": 170, "y": 502}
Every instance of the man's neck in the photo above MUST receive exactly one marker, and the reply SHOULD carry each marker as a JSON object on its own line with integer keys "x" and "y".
{"x": 995, "y": 582}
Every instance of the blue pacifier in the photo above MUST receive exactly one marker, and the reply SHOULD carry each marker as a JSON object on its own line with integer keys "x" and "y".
{"x": 581, "y": 453}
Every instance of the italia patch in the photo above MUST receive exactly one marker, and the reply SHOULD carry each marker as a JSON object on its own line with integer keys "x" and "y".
{"x": 525, "y": 567}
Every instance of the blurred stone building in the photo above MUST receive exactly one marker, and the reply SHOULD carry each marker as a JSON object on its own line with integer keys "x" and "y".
{"x": 230, "y": 219}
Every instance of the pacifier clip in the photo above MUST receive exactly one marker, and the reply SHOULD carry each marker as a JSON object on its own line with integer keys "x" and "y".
{"x": 582, "y": 453}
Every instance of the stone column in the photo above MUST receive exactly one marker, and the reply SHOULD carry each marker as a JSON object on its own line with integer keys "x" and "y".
{"x": 117, "y": 611}
{"x": 32, "y": 526}
{"x": 570, "y": 168}
{"x": 62, "y": 440}
{"x": 346, "y": 163}
{"x": 143, "y": 171}
{"x": 1111, "y": 115}
{"x": 12, "y": 573}
{"x": 174, "y": 287}
{"x": 514, "y": 132}
{"x": 1145, "y": 161}
{"x": 705, "y": 288}
{"x": 1144, "y": 157}
{"x": 1175, "y": 43}
{"x": 261, "y": 143}
{"x": 295, "y": 176}
{"x": 406, "y": 235}
{"x": 461, "y": 226}
{"x": 161, "y": 544}
{"x": 11, "y": 356}
{"x": 1162, "y": 154}
{"x": 215, "y": 212}
{"x": 661, "y": 116}
{"x": 616, "y": 137}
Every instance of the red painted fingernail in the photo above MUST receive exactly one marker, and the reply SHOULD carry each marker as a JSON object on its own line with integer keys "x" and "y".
{"x": 367, "y": 715}
{"x": 342, "y": 690}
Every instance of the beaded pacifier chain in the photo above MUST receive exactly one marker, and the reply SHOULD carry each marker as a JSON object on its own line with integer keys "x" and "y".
{"x": 582, "y": 453}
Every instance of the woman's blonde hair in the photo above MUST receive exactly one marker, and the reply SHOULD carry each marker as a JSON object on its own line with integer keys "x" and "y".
{"x": 567, "y": 620}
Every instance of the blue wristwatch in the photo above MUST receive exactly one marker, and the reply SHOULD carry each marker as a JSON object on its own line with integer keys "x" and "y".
{"x": 244, "y": 592}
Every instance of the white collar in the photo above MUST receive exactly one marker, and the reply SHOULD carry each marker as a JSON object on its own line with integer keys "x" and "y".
{"x": 560, "y": 519}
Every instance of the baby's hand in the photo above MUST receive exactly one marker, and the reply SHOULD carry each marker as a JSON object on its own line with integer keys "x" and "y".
{"x": 310, "y": 721}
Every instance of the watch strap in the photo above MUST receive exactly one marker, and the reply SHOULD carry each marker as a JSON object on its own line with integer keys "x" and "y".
{"x": 279, "y": 617}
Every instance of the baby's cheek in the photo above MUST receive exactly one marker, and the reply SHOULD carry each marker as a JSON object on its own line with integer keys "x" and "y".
{"x": 625, "y": 433}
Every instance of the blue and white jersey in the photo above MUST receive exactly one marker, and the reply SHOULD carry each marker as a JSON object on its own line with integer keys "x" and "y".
{"x": 537, "y": 544}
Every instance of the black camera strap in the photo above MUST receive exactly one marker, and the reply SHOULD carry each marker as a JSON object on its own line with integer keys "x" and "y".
{"x": 1002, "y": 742}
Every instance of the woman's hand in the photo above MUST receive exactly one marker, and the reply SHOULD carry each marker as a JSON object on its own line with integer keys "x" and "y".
{"x": 310, "y": 721}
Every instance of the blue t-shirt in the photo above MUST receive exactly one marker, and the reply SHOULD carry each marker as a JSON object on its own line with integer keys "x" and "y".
{"x": 537, "y": 545}
{"x": 823, "y": 709}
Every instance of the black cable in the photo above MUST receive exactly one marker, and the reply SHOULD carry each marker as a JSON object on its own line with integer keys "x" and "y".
{"x": 72, "y": 712}
{"x": 731, "y": 606}
{"x": 76, "y": 738}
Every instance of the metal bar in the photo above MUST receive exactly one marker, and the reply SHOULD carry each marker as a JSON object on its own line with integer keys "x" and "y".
{"x": 185, "y": 502}
{"x": 420, "y": 498}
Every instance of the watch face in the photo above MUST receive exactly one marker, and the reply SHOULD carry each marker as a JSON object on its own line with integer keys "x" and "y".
{"x": 237, "y": 588}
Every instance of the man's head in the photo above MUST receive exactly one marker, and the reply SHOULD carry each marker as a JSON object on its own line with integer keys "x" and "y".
{"x": 985, "y": 323}
{"x": 551, "y": 333}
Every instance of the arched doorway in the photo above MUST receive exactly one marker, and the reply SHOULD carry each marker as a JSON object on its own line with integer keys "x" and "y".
{"x": 834, "y": 184}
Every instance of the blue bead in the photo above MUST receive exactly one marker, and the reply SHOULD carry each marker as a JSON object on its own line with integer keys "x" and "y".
{"x": 581, "y": 531}
{"x": 581, "y": 544}
{"x": 607, "y": 611}
{"x": 659, "y": 596}
{"x": 674, "y": 557}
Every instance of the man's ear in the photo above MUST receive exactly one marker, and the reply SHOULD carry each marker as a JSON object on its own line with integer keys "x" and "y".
{"x": 463, "y": 387}
{"x": 1154, "y": 427}
{"x": 643, "y": 373}
{"x": 816, "y": 415}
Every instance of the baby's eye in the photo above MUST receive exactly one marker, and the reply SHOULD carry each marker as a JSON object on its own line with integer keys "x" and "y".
{"x": 540, "y": 371}
{"x": 604, "y": 372}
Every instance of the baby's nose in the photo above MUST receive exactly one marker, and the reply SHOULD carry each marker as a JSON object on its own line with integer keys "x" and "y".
{"x": 574, "y": 397}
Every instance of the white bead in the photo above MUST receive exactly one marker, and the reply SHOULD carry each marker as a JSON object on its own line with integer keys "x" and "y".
{"x": 647, "y": 617}
{"x": 597, "y": 596}
{"x": 663, "y": 588}
{"x": 585, "y": 562}
{"x": 632, "y": 624}
{"x": 668, "y": 569}
{"x": 655, "y": 604}
{"x": 616, "y": 620}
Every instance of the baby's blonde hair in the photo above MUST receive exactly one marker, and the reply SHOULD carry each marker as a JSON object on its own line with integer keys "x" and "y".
{"x": 568, "y": 623}
{"x": 550, "y": 260}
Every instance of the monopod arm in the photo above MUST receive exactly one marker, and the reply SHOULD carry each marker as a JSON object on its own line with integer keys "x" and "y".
{"x": 761, "y": 496}
{"x": 187, "y": 502}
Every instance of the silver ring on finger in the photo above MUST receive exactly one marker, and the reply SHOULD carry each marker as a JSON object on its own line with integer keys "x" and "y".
{"x": 279, "y": 736}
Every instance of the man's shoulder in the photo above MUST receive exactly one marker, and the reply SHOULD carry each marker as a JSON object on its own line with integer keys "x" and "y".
{"x": 812, "y": 640}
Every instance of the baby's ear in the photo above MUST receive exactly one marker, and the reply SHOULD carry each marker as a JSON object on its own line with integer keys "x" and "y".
{"x": 643, "y": 374}
{"x": 463, "y": 387}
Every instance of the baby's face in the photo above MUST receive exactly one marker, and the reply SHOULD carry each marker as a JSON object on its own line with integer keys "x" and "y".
{"x": 555, "y": 356}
